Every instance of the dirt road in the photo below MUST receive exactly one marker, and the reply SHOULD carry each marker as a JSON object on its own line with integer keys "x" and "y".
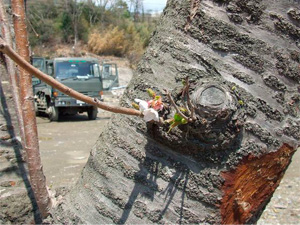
{"x": 65, "y": 148}
{"x": 65, "y": 145}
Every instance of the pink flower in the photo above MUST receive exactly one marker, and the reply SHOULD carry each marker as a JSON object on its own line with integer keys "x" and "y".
{"x": 149, "y": 113}
{"x": 156, "y": 104}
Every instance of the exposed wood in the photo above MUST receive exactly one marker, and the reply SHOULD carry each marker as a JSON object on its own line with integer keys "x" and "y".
{"x": 250, "y": 185}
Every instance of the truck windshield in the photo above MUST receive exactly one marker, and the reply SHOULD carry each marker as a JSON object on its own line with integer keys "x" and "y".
{"x": 77, "y": 69}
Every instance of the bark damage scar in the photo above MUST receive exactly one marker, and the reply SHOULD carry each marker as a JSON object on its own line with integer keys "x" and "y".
{"x": 195, "y": 5}
{"x": 251, "y": 184}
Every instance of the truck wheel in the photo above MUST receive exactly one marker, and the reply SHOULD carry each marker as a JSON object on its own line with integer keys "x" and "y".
{"x": 53, "y": 113}
{"x": 92, "y": 113}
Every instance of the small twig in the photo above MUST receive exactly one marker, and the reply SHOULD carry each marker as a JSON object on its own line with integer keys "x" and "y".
{"x": 175, "y": 106}
{"x": 5, "y": 48}
{"x": 190, "y": 104}
{"x": 183, "y": 98}
{"x": 32, "y": 28}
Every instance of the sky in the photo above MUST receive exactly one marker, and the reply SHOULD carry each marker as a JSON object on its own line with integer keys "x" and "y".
{"x": 154, "y": 5}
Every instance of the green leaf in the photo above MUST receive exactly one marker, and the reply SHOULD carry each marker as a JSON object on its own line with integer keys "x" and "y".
{"x": 136, "y": 106}
{"x": 174, "y": 124}
{"x": 182, "y": 109}
{"x": 151, "y": 93}
{"x": 184, "y": 121}
{"x": 177, "y": 117}
{"x": 169, "y": 121}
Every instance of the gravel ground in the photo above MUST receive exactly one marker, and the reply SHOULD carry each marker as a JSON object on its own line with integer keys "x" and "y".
{"x": 284, "y": 207}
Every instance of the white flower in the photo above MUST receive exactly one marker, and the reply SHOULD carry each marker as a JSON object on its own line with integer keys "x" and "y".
{"x": 142, "y": 104}
{"x": 150, "y": 114}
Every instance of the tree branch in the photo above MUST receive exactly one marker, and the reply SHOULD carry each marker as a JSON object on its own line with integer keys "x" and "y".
{"x": 175, "y": 106}
{"x": 190, "y": 105}
{"x": 184, "y": 98}
{"x": 63, "y": 88}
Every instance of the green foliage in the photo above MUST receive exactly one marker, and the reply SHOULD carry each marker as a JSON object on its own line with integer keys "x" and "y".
{"x": 66, "y": 26}
{"x": 176, "y": 120}
{"x": 151, "y": 93}
{"x": 64, "y": 21}
{"x": 42, "y": 23}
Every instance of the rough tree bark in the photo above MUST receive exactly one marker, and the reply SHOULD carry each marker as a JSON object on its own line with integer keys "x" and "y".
{"x": 31, "y": 142}
{"x": 18, "y": 204}
{"x": 11, "y": 70}
{"x": 225, "y": 167}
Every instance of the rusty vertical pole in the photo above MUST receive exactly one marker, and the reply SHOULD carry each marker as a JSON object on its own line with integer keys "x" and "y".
{"x": 37, "y": 178}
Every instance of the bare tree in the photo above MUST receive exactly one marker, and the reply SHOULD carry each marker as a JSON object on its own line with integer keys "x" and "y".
{"x": 103, "y": 4}
{"x": 31, "y": 144}
{"x": 13, "y": 76}
{"x": 138, "y": 10}
{"x": 74, "y": 8}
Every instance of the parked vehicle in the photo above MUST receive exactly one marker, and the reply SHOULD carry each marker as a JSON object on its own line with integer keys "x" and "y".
{"x": 110, "y": 75}
{"x": 80, "y": 74}
{"x": 39, "y": 63}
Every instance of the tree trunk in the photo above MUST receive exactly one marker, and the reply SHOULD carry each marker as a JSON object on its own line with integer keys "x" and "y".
{"x": 75, "y": 34}
{"x": 12, "y": 72}
{"x": 31, "y": 145}
{"x": 18, "y": 204}
{"x": 242, "y": 58}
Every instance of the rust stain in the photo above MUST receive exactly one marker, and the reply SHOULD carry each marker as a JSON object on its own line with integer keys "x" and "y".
{"x": 247, "y": 188}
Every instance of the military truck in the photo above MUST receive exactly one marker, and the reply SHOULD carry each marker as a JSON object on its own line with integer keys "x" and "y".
{"x": 39, "y": 63}
{"x": 109, "y": 74}
{"x": 80, "y": 74}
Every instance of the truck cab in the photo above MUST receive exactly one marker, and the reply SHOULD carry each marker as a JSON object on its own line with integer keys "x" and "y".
{"x": 110, "y": 76}
{"x": 80, "y": 74}
{"x": 39, "y": 63}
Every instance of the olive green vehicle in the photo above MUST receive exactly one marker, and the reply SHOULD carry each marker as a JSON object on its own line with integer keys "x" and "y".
{"x": 84, "y": 75}
{"x": 40, "y": 63}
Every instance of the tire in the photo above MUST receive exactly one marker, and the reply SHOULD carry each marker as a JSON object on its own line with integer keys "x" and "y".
{"x": 53, "y": 113}
{"x": 92, "y": 113}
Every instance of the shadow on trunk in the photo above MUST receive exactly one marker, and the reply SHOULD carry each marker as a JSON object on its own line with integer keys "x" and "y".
{"x": 21, "y": 170}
